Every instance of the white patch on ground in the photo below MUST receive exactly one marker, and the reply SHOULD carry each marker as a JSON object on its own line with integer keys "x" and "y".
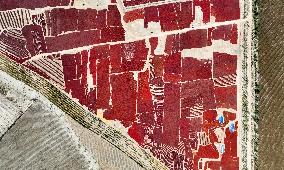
{"x": 95, "y": 4}
{"x": 160, "y": 50}
{"x": 136, "y": 29}
{"x": 135, "y": 75}
{"x": 198, "y": 17}
{"x": 145, "y": 5}
{"x": 90, "y": 81}
{"x": 219, "y": 46}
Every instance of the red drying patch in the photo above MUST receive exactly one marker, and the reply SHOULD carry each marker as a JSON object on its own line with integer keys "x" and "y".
{"x": 194, "y": 69}
{"x": 229, "y": 159}
{"x": 128, "y": 56}
{"x": 116, "y": 55}
{"x": 134, "y": 56}
{"x": 213, "y": 165}
{"x": 101, "y": 21}
{"x": 173, "y": 44}
{"x": 226, "y": 33}
{"x": 112, "y": 34}
{"x": 208, "y": 151}
{"x": 185, "y": 13}
{"x": 123, "y": 99}
{"x": 137, "y": 133}
{"x": 75, "y": 75}
{"x": 194, "y": 39}
{"x": 224, "y": 64}
{"x": 200, "y": 90}
{"x": 144, "y": 97}
{"x": 226, "y": 97}
{"x": 113, "y": 17}
{"x": 229, "y": 116}
{"x": 94, "y": 27}
{"x": 225, "y": 10}
{"x": 159, "y": 64}
{"x": 210, "y": 123}
{"x": 231, "y": 163}
{"x": 28, "y": 4}
{"x": 171, "y": 16}
{"x": 167, "y": 17}
{"x": 209, "y": 116}
{"x": 72, "y": 40}
{"x": 101, "y": 62}
{"x": 133, "y": 15}
{"x": 188, "y": 129}
{"x": 103, "y": 83}
{"x": 173, "y": 68}
{"x": 87, "y": 18}
{"x": 180, "y": 15}
{"x": 171, "y": 114}
{"x": 60, "y": 20}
